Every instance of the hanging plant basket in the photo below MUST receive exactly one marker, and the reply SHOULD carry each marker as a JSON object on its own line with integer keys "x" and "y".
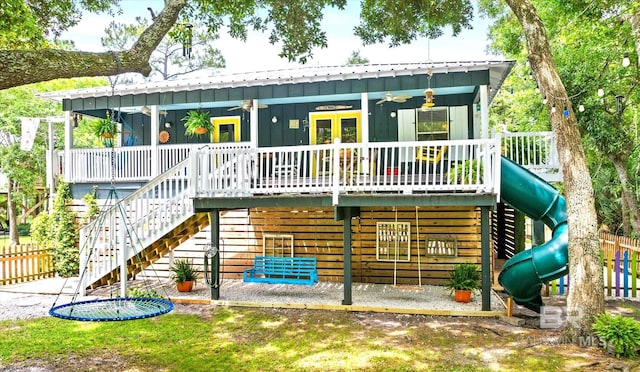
{"x": 197, "y": 123}
{"x": 105, "y": 128}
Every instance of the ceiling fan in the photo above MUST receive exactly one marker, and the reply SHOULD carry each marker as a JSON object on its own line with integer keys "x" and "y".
{"x": 389, "y": 97}
{"x": 147, "y": 111}
{"x": 246, "y": 105}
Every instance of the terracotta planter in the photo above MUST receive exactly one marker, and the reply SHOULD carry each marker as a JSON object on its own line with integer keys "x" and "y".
{"x": 462, "y": 295}
{"x": 184, "y": 286}
{"x": 107, "y": 135}
{"x": 200, "y": 130}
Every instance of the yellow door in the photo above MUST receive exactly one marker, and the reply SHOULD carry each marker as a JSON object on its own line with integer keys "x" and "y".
{"x": 226, "y": 129}
{"x": 326, "y": 127}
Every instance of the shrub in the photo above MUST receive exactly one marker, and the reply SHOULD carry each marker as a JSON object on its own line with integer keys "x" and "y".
{"x": 618, "y": 333}
{"x": 139, "y": 292}
{"x": 469, "y": 172}
{"x": 24, "y": 229}
{"x": 41, "y": 230}
{"x": 66, "y": 258}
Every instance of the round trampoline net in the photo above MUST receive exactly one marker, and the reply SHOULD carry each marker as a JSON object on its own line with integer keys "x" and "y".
{"x": 112, "y": 309}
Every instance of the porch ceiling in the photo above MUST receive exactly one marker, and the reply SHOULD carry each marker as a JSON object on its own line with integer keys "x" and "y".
{"x": 308, "y": 84}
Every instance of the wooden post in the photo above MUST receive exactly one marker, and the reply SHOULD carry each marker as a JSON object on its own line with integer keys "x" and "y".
{"x": 346, "y": 223}
{"x": 486, "y": 258}
{"x": 509, "y": 307}
{"x": 214, "y": 217}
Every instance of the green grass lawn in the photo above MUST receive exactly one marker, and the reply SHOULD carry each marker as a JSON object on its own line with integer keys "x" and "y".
{"x": 236, "y": 339}
{"x": 4, "y": 240}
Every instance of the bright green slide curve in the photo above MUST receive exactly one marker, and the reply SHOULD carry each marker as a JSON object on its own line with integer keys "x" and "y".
{"x": 523, "y": 276}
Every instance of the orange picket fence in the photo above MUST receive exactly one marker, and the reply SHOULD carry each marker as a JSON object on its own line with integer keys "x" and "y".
{"x": 25, "y": 262}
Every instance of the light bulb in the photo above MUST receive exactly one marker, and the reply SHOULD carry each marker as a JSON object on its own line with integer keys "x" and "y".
{"x": 581, "y": 108}
{"x": 625, "y": 59}
{"x": 553, "y": 109}
{"x": 600, "y": 92}
{"x": 544, "y": 100}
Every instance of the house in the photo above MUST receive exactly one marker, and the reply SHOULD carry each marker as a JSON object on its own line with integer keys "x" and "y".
{"x": 383, "y": 173}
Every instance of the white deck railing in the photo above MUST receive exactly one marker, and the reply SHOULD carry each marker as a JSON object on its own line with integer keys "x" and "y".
{"x": 347, "y": 168}
{"x": 535, "y": 151}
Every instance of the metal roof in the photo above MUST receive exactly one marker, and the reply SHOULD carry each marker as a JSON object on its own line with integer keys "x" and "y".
{"x": 498, "y": 70}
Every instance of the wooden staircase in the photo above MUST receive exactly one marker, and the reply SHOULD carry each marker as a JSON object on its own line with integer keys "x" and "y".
{"x": 157, "y": 249}
{"x": 139, "y": 229}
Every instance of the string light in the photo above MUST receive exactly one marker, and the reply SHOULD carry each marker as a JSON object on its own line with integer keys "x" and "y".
{"x": 600, "y": 92}
{"x": 625, "y": 59}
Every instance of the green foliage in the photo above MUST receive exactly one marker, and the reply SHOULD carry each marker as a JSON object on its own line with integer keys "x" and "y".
{"x": 139, "y": 292}
{"x": 464, "y": 276}
{"x": 41, "y": 231}
{"x": 106, "y": 129}
{"x": 24, "y": 229}
{"x": 195, "y": 120}
{"x": 183, "y": 271}
{"x": 356, "y": 58}
{"x": 92, "y": 206}
{"x": 620, "y": 333}
{"x": 168, "y": 60}
{"x": 66, "y": 259}
{"x": 468, "y": 172}
{"x": 405, "y": 22}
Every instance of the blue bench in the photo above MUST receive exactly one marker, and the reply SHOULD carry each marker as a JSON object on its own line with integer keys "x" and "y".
{"x": 282, "y": 270}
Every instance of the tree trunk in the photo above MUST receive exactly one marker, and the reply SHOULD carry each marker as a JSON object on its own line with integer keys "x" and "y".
{"x": 586, "y": 295}
{"x": 630, "y": 203}
{"x": 634, "y": 21}
{"x": 14, "y": 238}
{"x": 20, "y": 67}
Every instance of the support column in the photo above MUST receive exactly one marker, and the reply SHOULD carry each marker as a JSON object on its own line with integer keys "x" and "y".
{"x": 484, "y": 112}
{"x": 486, "y": 258}
{"x": 155, "y": 129}
{"x": 346, "y": 223}
{"x": 253, "y": 124}
{"x": 214, "y": 217}
{"x": 68, "y": 145}
{"x": 537, "y": 233}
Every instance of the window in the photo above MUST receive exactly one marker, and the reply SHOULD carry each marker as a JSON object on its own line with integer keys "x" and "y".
{"x": 433, "y": 124}
{"x": 441, "y": 245}
{"x": 393, "y": 240}
{"x": 278, "y": 245}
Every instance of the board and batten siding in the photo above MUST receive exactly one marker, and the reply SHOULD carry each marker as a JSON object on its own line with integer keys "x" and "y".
{"x": 317, "y": 234}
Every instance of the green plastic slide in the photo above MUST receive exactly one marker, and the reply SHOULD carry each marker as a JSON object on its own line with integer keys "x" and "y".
{"x": 523, "y": 276}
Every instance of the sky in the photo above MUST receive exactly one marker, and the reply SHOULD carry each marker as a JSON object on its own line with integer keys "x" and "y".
{"x": 256, "y": 54}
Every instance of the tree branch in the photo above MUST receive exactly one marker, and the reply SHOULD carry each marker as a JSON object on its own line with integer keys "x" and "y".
{"x": 20, "y": 67}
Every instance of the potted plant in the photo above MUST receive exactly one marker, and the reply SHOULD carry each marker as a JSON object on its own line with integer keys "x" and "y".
{"x": 464, "y": 279}
{"x": 105, "y": 128}
{"x": 197, "y": 123}
{"x": 184, "y": 274}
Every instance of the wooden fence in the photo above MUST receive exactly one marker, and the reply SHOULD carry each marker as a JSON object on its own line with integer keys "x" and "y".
{"x": 620, "y": 261}
{"x": 23, "y": 263}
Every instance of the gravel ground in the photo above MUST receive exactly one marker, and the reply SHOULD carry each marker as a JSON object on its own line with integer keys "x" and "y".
{"x": 34, "y": 299}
